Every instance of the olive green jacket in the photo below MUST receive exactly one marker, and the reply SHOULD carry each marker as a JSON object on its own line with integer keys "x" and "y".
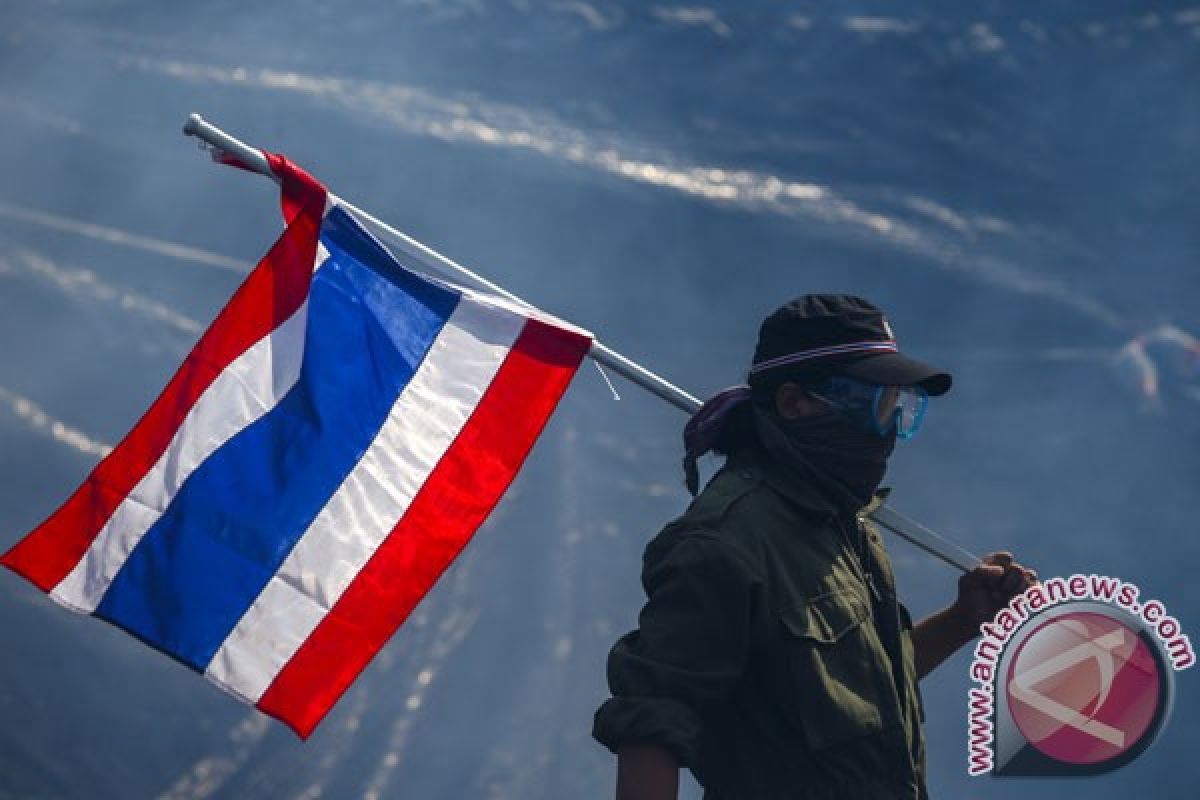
{"x": 765, "y": 660}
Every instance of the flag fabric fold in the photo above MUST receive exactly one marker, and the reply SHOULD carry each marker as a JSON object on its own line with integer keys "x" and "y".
{"x": 325, "y": 451}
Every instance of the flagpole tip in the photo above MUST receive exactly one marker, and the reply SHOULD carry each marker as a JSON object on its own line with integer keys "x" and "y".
{"x": 193, "y": 124}
{"x": 221, "y": 142}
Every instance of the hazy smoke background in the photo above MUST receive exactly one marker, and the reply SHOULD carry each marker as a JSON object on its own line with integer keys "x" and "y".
{"x": 1018, "y": 191}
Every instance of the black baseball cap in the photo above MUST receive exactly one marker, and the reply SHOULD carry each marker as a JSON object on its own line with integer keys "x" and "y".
{"x": 817, "y": 335}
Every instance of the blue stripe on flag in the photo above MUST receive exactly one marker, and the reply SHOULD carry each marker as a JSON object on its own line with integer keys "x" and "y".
{"x": 224, "y": 535}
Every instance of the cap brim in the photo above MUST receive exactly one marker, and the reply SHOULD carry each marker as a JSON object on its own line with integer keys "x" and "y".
{"x": 897, "y": 369}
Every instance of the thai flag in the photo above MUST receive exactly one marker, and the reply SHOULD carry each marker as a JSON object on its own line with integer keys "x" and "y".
{"x": 326, "y": 450}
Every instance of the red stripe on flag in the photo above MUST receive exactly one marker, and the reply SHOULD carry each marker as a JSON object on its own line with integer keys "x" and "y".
{"x": 460, "y": 492}
{"x": 272, "y": 293}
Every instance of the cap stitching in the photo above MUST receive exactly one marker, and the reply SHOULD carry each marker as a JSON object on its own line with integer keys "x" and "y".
{"x": 888, "y": 346}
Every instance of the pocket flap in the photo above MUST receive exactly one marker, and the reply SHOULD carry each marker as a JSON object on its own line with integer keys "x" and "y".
{"x": 827, "y": 617}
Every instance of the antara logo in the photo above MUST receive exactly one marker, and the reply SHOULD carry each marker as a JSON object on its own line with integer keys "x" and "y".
{"x": 1075, "y": 677}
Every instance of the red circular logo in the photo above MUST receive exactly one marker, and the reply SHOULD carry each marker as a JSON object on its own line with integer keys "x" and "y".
{"x": 1083, "y": 688}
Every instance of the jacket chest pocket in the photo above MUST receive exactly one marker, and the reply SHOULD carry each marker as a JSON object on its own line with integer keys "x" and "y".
{"x": 836, "y": 667}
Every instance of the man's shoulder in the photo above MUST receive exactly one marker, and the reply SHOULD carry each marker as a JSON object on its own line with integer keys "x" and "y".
{"x": 736, "y": 511}
{"x": 730, "y": 488}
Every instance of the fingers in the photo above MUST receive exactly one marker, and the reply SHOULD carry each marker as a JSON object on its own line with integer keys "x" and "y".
{"x": 992, "y": 584}
{"x": 999, "y": 575}
{"x": 1013, "y": 581}
{"x": 982, "y": 578}
{"x": 1000, "y": 558}
{"x": 985, "y": 575}
{"x": 1000, "y": 570}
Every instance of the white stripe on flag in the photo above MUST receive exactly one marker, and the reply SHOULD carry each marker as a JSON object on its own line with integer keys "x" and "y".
{"x": 247, "y": 389}
{"x": 426, "y": 418}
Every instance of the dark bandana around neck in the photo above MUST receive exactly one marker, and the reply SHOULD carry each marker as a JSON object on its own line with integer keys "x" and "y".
{"x": 845, "y": 463}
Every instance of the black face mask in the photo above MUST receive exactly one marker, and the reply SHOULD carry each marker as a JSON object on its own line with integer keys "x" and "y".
{"x": 844, "y": 461}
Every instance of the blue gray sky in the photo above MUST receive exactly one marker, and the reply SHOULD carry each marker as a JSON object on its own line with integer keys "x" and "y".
{"x": 1015, "y": 186}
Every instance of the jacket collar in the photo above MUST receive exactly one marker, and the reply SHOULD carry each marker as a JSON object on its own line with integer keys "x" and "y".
{"x": 753, "y": 462}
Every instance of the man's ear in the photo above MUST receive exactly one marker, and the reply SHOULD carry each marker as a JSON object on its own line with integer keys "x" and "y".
{"x": 791, "y": 401}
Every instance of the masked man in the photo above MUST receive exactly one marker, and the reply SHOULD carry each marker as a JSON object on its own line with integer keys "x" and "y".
{"x": 772, "y": 657}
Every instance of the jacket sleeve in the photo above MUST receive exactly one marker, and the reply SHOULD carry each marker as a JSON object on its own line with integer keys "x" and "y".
{"x": 690, "y": 649}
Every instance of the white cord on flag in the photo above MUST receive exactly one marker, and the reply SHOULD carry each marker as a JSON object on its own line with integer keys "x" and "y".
{"x": 604, "y": 375}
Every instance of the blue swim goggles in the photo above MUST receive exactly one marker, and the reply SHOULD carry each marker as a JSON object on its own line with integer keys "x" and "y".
{"x": 876, "y": 408}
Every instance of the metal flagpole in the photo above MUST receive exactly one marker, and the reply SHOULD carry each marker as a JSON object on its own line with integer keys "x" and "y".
{"x": 253, "y": 158}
